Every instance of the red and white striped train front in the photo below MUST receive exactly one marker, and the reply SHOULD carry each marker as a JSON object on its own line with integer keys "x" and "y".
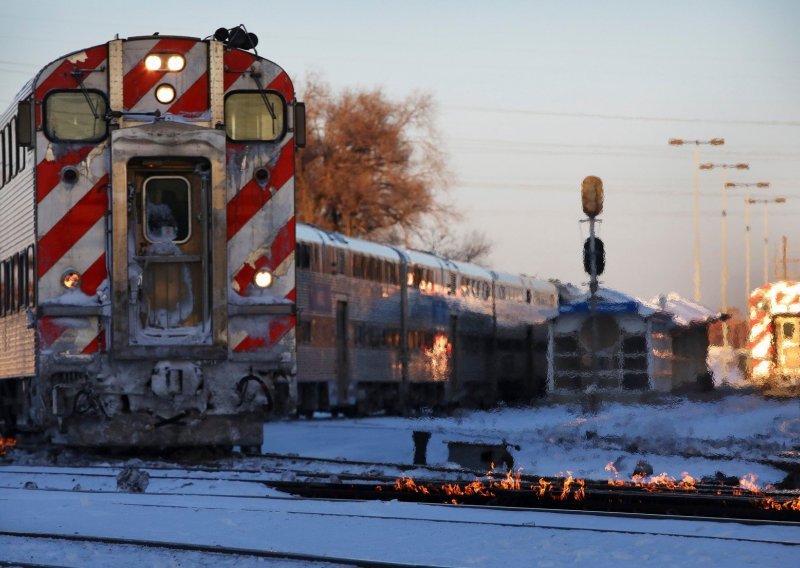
{"x": 774, "y": 342}
{"x": 165, "y": 243}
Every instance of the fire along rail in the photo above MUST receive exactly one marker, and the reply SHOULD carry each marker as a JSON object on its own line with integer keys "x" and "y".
{"x": 708, "y": 500}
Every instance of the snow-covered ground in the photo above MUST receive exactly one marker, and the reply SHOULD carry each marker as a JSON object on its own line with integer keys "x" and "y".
{"x": 737, "y": 434}
{"x": 734, "y": 435}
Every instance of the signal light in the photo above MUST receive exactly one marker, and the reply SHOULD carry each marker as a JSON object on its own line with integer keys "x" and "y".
{"x": 599, "y": 256}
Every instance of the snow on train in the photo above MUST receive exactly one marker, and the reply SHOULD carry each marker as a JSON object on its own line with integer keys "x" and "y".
{"x": 147, "y": 244}
{"x": 387, "y": 328}
{"x": 774, "y": 342}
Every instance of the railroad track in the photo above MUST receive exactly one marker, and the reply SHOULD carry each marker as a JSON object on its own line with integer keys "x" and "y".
{"x": 292, "y": 514}
{"x": 209, "y": 551}
{"x": 704, "y": 500}
{"x": 593, "y": 497}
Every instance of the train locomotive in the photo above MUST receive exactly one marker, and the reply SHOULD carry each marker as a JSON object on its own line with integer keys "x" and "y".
{"x": 774, "y": 341}
{"x": 386, "y": 328}
{"x": 147, "y": 241}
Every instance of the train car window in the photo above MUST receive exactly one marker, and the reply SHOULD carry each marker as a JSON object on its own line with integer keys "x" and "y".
{"x": 392, "y": 273}
{"x": 15, "y": 150}
{"x": 451, "y": 283}
{"x": 20, "y": 161}
{"x": 3, "y": 158}
{"x": 3, "y": 280}
{"x": 22, "y": 279}
{"x": 31, "y": 276}
{"x": 11, "y": 145}
{"x": 168, "y": 207}
{"x": 75, "y": 116}
{"x": 11, "y": 284}
{"x": 315, "y": 257}
{"x": 255, "y": 116}
{"x": 303, "y": 331}
{"x": 303, "y": 256}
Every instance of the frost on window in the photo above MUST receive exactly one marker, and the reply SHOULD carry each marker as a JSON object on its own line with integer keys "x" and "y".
{"x": 75, "y": 116}
{"x": 254, "y": 116}
{"x": 167, "y": 209}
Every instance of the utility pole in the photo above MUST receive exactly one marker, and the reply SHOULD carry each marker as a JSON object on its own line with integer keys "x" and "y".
{"x": 785, "y": 262}
{"x": 766, "y": 203}
{"x": 696, "y": 179}
{"x": 724, "y": 242}
{"x": 761, "y": 185}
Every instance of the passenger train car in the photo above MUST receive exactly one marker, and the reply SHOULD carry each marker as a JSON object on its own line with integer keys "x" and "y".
{"x": 147, "y": 244}
{"x": 387, "y": 328}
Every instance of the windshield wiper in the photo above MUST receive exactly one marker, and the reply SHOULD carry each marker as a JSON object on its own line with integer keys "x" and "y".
{"x": 257, "y": 78}
{"x": 77, "y": 73}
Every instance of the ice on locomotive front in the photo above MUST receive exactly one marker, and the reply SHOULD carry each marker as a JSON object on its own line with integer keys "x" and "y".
{"x": 165, "y": 286}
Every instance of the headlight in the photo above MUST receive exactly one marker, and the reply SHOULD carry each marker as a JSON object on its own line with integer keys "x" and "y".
{"x": 152, "y": 62}
{"x": 71, "y": 279}
{"x": 176, "y": 62}
{"x": 263, "y": 278}
{"x": 165, "y": 93}
{"x": 165, "y": 62}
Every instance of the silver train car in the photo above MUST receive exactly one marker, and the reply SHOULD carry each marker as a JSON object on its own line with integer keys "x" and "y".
{"x": 386, "y": 328}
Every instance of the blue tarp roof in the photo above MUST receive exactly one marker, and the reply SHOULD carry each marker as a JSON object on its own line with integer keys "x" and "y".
{"x": 682, "y": 312}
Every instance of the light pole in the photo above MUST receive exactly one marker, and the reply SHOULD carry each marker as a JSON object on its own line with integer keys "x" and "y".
{"x": 766, "y": 203}
{"x": 697, "y": 143}
{"x": 747, "y": 186}
{"x": 724, "y": 269}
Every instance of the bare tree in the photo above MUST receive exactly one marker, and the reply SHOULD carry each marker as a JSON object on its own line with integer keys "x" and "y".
{"x": 372, "y": 166}
{"x": 438, "y": 238}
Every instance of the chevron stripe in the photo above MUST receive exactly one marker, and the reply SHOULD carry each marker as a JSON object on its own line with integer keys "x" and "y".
{"x": 281, "y": 249}
{"x": 138, "y": 81}
{"x": 48, "y": 172}
{"x": 278, "y": 328}
{"x": 93, "y": 276}
{"x": 60, "y": 76}
{"x": 72, "y": 226}
{"x": 252, "y": 197}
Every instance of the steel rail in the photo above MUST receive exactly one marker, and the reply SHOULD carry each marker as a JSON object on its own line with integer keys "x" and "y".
{"x": 626, "y": 489}
{"x": 215, "y": 549}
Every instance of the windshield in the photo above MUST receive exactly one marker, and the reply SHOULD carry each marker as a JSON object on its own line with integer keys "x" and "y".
{"x": 69, "y": 116}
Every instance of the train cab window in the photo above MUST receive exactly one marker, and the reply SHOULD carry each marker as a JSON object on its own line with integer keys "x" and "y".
{"x": 255, "y": 116}
{"x": 167, "y": 203}
{"x": 75, "y": 116}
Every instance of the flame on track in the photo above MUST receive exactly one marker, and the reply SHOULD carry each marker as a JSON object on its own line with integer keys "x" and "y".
{"x": 559, "y": 490}
{"x": 6, "y": 443}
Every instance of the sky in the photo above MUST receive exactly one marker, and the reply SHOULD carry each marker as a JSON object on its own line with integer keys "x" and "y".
{"x": 532, "y": 97}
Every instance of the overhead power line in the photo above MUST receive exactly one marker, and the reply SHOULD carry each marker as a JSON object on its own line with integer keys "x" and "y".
{"x": 624, "y": 117}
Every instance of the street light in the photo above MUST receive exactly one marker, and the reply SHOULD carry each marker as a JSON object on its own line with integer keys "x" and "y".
{"x": 760, "y": 185}
{"x": 697, "y": 143}
{"x": 724, "y": 269}
{"x": 766, "y": 202}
